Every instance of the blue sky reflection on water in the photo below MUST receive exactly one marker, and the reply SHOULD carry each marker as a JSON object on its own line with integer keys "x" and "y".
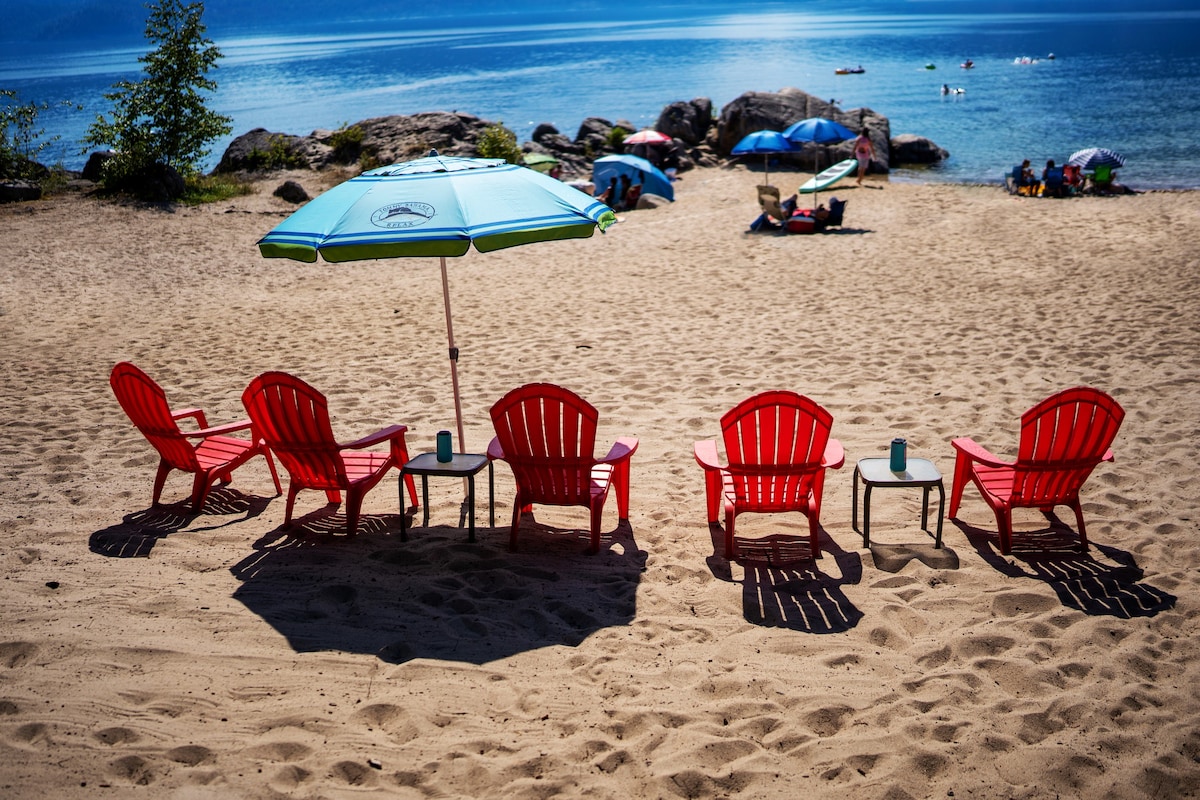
{"x": 1121, "y": 80}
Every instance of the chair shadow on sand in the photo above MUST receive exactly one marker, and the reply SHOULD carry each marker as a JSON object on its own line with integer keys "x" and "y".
{"x": 783, "y": 587}
{"x": 136, "y": 534}
{"x": 436, "y": 595}
{"x": 1081, "y": 581}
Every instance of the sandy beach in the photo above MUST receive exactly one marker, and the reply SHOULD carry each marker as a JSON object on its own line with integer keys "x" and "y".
{"x": 154, "y": 653}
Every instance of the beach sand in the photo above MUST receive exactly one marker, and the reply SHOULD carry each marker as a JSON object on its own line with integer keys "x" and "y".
{"x": 152, "y": 653}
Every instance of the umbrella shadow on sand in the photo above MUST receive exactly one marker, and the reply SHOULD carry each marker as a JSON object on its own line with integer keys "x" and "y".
{"x": 136, "y": 534}
{"x": 1080, "y": 580}
{"x": 782, "y": 587}
{"x": 436, "y": 595}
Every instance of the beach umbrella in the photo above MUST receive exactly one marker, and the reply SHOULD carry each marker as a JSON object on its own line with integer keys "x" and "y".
{"x": 639, "y": 170}
{"x": 437, "y": 206}
{"x": 647, "y": 137}
{"x": 819, "y": 130}
{"x": 1092, "y": 157}
{"x": 542, "y": 162}
{"x": 768, "y": 143}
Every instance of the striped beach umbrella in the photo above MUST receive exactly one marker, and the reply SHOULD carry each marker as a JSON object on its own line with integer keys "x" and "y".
{"x": 436, "y": 206}
{"x": 1092, "y": 157}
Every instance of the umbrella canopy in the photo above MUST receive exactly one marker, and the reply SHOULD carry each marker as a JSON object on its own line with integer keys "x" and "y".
{"x": 819, "y": 130}
{"x": 639, "y": 170}
{"x": 766, "y": 143}
{"x": 647, "y": 137}
{"x": 542, "y": 162}
{"x": 436, "y": 206}
{"x": 1092, "y": 157}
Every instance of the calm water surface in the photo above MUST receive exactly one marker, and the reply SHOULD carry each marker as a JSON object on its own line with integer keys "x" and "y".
{"x": 1126, "y": 81}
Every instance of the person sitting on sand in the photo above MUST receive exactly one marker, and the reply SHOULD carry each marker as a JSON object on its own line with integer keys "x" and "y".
{"x": 1026, "y": 179}
{"x": 608, "y": 196}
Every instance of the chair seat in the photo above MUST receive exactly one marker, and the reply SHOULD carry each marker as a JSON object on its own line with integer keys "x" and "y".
{"x": 216, "y": 451}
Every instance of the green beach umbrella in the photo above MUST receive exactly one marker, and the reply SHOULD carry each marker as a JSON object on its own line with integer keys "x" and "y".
{"x": 437, "y": 206}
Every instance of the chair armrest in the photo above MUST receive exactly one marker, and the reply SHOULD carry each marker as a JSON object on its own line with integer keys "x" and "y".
{"x": 383, "y": 435}
{"x": 195, "y": 413}
{"x": 835, "y": 455}
{"x": 495, "y": 452}
{"x": 706, "y": 454}
{"x": 218, "y": 430}
{"x": 622, "y": 450}
{"x": 977, "y": 452}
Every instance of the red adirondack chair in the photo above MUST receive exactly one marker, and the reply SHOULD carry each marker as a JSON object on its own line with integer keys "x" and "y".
{"x": 1063, "y": 438}
{"x": 293, "y": 418}
{"x": 547, "y": 435}
{"x": 213, "y": 458}
{"x": 778, "y": 447}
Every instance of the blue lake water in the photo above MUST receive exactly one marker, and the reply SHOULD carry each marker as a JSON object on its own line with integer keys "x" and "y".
{"x": 1123, "y": 80}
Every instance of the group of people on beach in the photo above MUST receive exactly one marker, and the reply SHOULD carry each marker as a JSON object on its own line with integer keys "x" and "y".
{"x": 1064, "y": 181}
{"x": 622, "y": 193}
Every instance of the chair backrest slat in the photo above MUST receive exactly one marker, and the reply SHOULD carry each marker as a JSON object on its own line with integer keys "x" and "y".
{"x": 293, "y": 419}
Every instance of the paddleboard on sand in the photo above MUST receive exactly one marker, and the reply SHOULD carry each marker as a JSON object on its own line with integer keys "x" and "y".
{"x": 830, "y": 176}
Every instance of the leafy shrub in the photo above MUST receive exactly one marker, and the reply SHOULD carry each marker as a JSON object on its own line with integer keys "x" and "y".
{"x": 616, "y": 137}
{"x": 497, "y": 141}
{"x": 21, "y": 139}
{"x": 278, "y": 155}
{"x": 161, "y": 122}
{"x": 346, "y": 142}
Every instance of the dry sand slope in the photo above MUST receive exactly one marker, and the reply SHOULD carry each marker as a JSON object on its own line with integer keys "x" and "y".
{"x": 151, "y": 653}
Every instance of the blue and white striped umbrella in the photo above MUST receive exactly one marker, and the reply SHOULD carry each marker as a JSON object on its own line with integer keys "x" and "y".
{"x": 436, "y": 206}
{"x": 1092, "y": 157}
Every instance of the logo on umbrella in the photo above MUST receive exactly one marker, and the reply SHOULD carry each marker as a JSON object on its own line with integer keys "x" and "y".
{"x": 403, "y": 215}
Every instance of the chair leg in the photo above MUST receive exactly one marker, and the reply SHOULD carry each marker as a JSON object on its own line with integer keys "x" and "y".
{"x": 814, "y": 528}
{"x": 1083, "y": 540}
{"x": 354, "y": 500}
{"x": 274, "y": 475}
{"x": 620, "y": 480}
{"x": 962, "y": 474}
{"x": 1004, "y": 526}
{"x": 518, "y": 509}
{"x": 730, "y": 546}
{"x": 160, "y": 480}
{"x": 293, "y": 490}
{"x": 200, "y": 489}
{"x": 712, "y": 491}
{"x": 597, "y": 517}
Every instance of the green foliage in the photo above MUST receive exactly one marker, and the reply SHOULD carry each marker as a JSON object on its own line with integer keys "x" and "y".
{"x": 616, "y": 137}
{"x": 21, "y": 139}
{"x": 346, "y": 142}
{"x": 162, "y": 119}
{"x": 211, "y": 188}
{"x": 497, "y": 141}
{"x": 278, "y": 155}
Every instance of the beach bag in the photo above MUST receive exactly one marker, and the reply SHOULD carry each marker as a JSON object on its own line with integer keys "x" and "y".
{"x": 801, "y": 223}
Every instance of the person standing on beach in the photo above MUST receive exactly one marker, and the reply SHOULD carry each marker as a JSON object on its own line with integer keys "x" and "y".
{"x": 864, "y": 151}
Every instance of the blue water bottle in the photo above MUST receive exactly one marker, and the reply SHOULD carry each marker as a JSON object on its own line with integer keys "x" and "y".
{"x": 445, "y": 450}
{"x": 899, "y": 459}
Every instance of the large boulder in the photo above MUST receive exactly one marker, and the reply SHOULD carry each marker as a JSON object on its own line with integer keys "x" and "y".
{"x": 686, "y": 121}
{"x": 908, "y": 148}
{"x": 390, "y": 140}
{"x": 260, "y": 150}
{"x": 756, "y": 111}
{"x": 93, "y": 170}
{"x": 19, "y": 191}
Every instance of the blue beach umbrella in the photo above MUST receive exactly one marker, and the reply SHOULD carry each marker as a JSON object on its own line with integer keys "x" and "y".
{"x": 1092, "y": 157}
{"x": 819, "y": 130}
{"x": 767, "y": 143}
{"x": 436, "y": 206}
{"x": 639, "y": 170}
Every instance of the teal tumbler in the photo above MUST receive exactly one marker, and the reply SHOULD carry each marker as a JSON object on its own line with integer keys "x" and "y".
{"x": 445, "y": 450}
{"x": 899, "y": 455}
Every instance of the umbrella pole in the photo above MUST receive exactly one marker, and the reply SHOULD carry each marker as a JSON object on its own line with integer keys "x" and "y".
{"x": 462, "y": 447}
